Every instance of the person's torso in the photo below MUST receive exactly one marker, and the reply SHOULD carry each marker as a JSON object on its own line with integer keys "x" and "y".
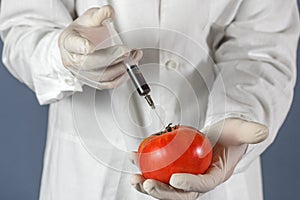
{"x": 178, "y": 39}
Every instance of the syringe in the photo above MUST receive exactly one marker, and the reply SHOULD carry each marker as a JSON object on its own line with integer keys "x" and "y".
{"x": 132, "y": 67}
{"x": 138, "y": 80}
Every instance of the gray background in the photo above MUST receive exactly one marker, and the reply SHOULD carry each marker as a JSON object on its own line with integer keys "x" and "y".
{"x": 23, "y": 124}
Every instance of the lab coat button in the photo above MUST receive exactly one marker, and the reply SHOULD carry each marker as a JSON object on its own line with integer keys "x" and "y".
{"x": 69, "y": 81}
{"x": 171, "y": 64}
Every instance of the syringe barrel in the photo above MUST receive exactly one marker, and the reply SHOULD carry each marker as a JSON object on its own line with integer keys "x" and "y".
{"x": 114, "y": 36}
{"x": 138, "y": 79}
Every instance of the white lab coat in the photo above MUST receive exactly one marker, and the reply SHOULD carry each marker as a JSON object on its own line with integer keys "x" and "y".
{"x": 253, "y": 43}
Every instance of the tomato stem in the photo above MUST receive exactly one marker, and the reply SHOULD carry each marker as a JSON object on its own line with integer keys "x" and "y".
{"x": 169, "y": 128}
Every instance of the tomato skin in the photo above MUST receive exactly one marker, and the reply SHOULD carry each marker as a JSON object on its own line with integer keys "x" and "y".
{"x": 182, "y": 150}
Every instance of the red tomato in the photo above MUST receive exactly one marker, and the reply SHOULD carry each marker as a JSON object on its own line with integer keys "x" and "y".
{"x": 179, "y": 149}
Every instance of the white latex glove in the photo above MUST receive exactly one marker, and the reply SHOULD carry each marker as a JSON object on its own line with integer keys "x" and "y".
{"x": 225, "y": 158}
{"x": 87, "y": 51}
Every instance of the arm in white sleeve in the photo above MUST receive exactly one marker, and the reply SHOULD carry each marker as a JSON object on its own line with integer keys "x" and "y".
{"x": 30, "y": 30}
{"x": 256, "y": 61}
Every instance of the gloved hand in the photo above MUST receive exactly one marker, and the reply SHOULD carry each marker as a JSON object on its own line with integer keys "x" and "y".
{"x": 87, "y": 52}
{"x": 225, "y": 158}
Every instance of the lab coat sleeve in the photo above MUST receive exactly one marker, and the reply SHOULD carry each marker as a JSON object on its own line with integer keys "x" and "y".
{"x": 30, "y": 30}
{"x": 256, "y": 62}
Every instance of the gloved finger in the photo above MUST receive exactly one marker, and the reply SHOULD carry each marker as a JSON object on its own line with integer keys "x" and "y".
{"x": 99, "y": 59}
{"x": 102, "y": 75}
{"x": 114, "y": 83}
{"x": 137, "y": 181}
{"x": 98, "y": 36}
{"x": 105, "y": 57}
{"x": 252, "y": 132}
{"x": 198, "y": 183}
{"x": 110, "y": 73}
{"x": 91, "y": 79}
{"x": 136, "y": 54}
{"x": 234, "y": 131}
{"x": 74, "y": 43}
{"x": 161, "y": 190}
{"x": 95, "y": 16}
{"x": 237, "y": 132}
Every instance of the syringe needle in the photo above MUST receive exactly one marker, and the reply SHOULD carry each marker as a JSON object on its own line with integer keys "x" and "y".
{"x": 150, "y": 101}
{"x": 160, "y": 119}
{"x": 152, "y": 105}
